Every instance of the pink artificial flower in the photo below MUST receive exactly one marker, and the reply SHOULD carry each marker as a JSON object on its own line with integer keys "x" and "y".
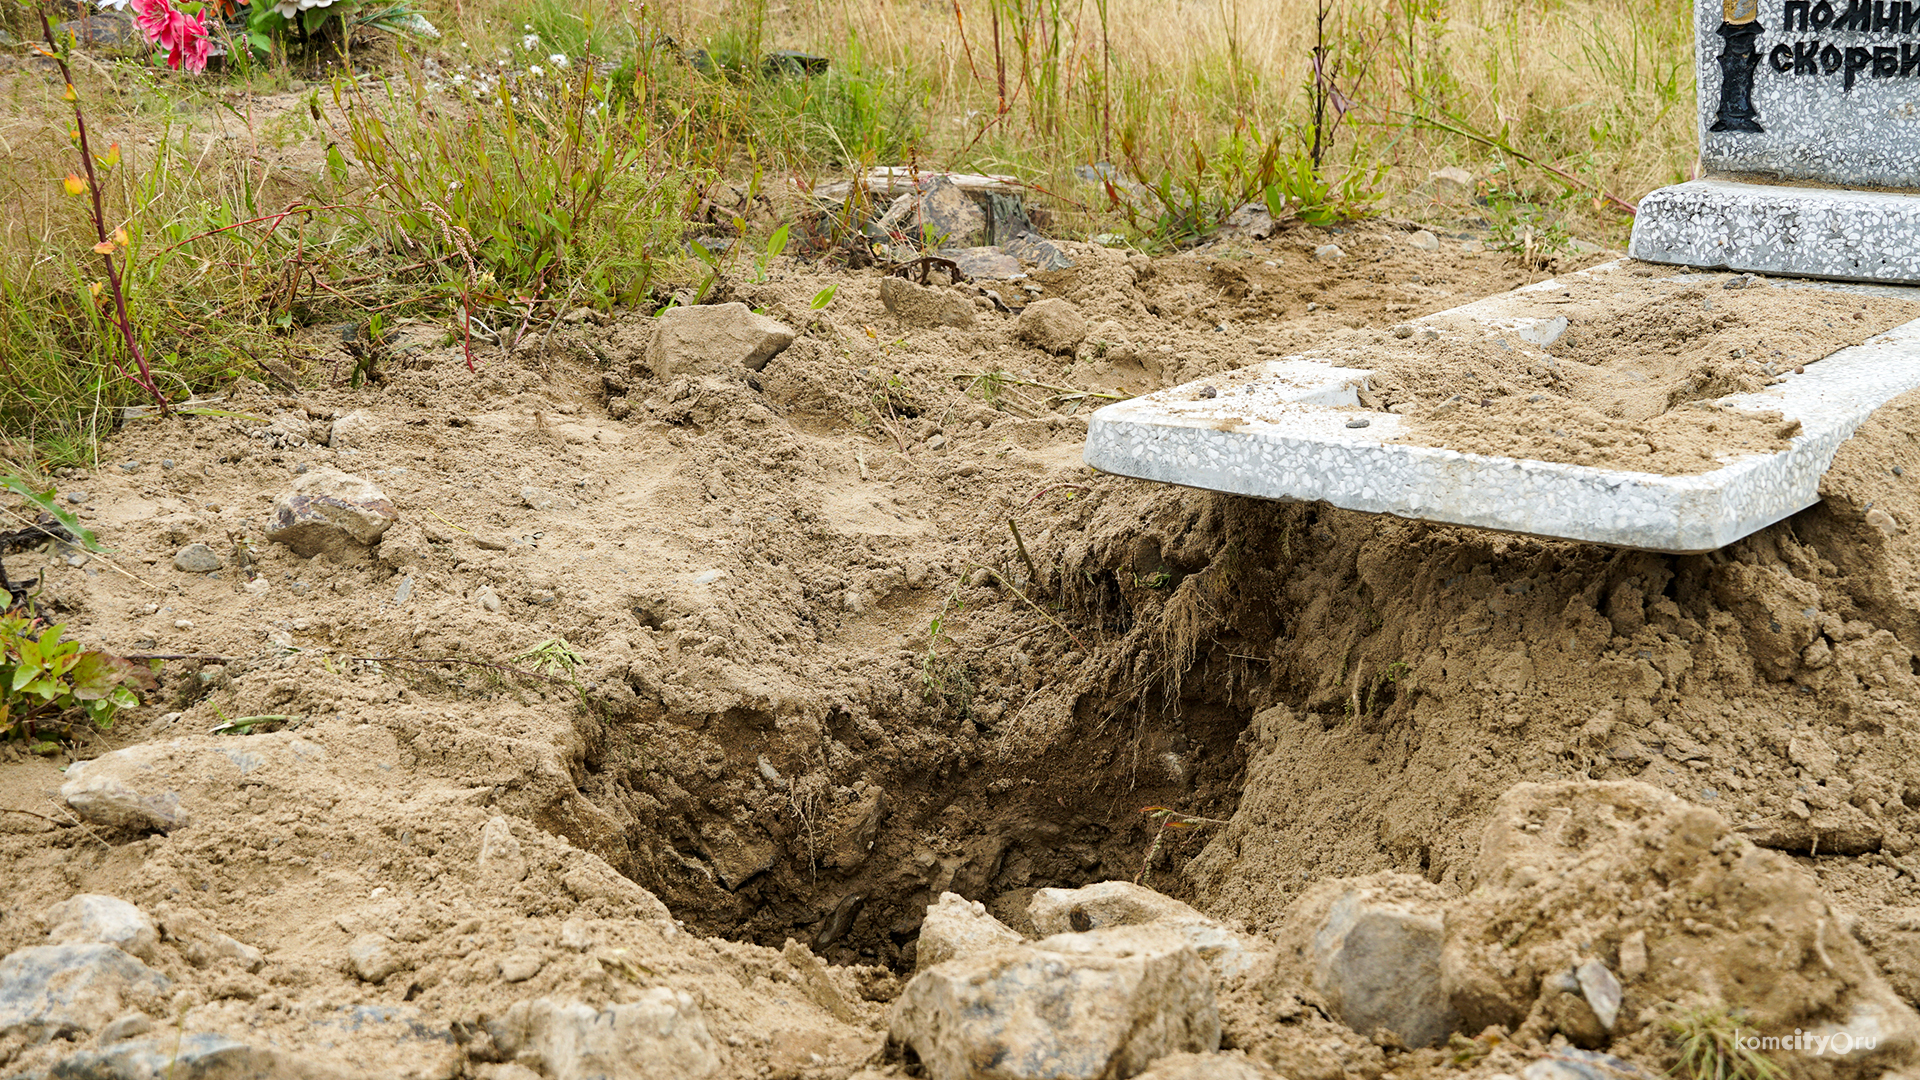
{"x": 185, "y": 39}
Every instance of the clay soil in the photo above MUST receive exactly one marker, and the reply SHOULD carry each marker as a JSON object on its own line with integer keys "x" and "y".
{"x": 819, "y": 678}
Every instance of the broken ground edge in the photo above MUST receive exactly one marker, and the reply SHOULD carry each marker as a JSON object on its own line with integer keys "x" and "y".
{"x": 1871, "y": 236}
{"x": 1300, "y": 448}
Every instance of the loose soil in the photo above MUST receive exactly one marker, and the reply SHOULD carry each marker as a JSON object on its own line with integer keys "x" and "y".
{"x": 825, "y": 680}
{"x": 1631, "y": 383}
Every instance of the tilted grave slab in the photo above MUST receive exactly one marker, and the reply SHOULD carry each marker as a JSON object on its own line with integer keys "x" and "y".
{"x": 1809, "y": 115}
{"x": 1289, "y": 431}
{"x": 1810, "y": 141}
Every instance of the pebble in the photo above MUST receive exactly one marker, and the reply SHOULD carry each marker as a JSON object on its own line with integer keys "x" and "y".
{"x": 401, "y": 595}
{"x": 76, "y": 497}
{"x": 166, "y": 463}
{"x": 938, "y": 442}
{"x": 1208, "y": 392}
{"x": 1425, "y": 241}
{"x": 487, "y": 598}
{"x": 1358, "y": 423}
{"x": 1329, "y": 252}
{"x": 197, "y": 559}
{"x": 1403, "y": 330}
{"x": 1739, "y": 282}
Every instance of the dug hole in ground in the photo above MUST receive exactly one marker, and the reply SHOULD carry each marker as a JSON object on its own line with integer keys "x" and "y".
{"x": 1436, "y": 801}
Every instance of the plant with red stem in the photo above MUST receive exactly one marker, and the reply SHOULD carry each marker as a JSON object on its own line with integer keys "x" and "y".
{"x": 89, "y": 184}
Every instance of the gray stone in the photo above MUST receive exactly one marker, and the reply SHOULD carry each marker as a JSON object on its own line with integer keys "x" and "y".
{"x": 662, "y": 1036}
{"x": 51, "y": 990}
{"x": 107, "y": 920}
{"x": 200, "y": 1056}
{"x": 1054, "y": 326}
{"x": 956, "y": 927}
{"x": 487, "y": 598}
{"x": 1373, "y": 952}
{"x": 1424, "y": 241}
{"x": 1569, "y": 1063}
{"x": 985, "y": 263}
{"x": 1032, "y": 248}
{"x": 1542, "y": 332}
{"x": 921, "y": 305}
{"x": 131, "y": 1026}
{"x": 355, "y": 430}
{"x": 1101, "y": 1004}
{"x": 1763, "y": 228}
{"x": 1601, "y": 990}
{"x": 329, "y": 512}
{"x": 197, "y": 559}
{"x": 373, "y": 957}
{"x": 1122, "y": 903}
{"x": 946, "y": 216}
{"x": 713, "y": 339}
{"x": 1329, "y": 252}
{"x": 102, "y": 791}
{"x": 500, "y": 861}
{"x": 1251, "y": 221}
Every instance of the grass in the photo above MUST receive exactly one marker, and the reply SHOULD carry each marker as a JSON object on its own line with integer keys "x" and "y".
{"x": 1710, "y": 1047}
{"x": 547, "y": 153}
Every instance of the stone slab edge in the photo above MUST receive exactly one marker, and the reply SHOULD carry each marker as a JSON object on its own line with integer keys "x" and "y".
{"x": 1770, "y": 229}
{"x": 1304, "y": 451}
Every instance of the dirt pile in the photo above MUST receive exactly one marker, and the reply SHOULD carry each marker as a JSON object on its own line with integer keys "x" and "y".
{"x": 857, "y": 629}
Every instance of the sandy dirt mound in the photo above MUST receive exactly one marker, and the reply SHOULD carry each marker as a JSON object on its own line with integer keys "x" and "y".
{"x": 797, "y": 650}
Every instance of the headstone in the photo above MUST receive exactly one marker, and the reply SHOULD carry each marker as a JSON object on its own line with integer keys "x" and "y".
{"x": 1810, "y": 141}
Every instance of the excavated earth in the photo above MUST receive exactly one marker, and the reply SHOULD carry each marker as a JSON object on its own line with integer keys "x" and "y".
{"x": 859, "y": 629}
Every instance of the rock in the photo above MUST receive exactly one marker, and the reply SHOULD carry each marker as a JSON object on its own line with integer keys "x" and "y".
{"x": 816, "y": 983}
{"x": 107, "y": 920}
{"x": 372, "y": 957}
{"x": 131, "y": 1026}
{"x": 985, "y": 263}
{"x": 661, "y": 1036}
{"x": 593, "y": 879}
{"x": 99, "y": 791}
{"x": 49, "y": 991}
{"x": 1252, "y": 221}
{"x": 1882, "y": 521}
{"x": 1660, "y": 863}
{"x": 1424, "y": 241}
{"x": 1371, "y": 947}
{"x": 1228, "y": 1066}
{"x": 956, "y": 927}
{"x": 1032, "y": 248}
{"x": 937, "y": 443}
{"x": 487, "y": 598}
{"x": 200, "y": 1056}
{"x": 500, "y": 861}
{"x": 921, "y": 305}
{"x": 203, "y": 946}
{"x": 1122, "y": 903}
{"x": 947, "y": 216}
{"x": 329, "y": 512}
{"x": 1452, "y": 174}
{"x": 197, "y": 559}
{"x": 1567, "y": 1063}
{"x": 1054, "y": 326}
{"x": 110, "y": 31}
{"x": 1542, "y": 332}
{"x": 355, "y": 430}
{"x": 713, "y": 339}
{"x": 1329, "y": 252}
{"x": 1101, "y": 1004}
{"x": 521, "y": 966}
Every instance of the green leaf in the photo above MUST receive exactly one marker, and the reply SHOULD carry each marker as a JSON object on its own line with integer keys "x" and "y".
{"x": 23, "y": 675}
{"x": 44, "y": 500}
{"x": 824, "y": 297}
{"x": 777, "y": 243}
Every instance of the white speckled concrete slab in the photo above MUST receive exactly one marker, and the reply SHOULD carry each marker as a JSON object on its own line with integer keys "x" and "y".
{"x": 1285, "y": 436}
{"x": 1771, "y": 229}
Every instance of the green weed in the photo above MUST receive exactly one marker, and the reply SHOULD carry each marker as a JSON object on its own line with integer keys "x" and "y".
{"x": 1710, "y": 1047}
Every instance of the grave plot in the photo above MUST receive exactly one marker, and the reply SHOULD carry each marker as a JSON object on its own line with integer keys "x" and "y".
{"x": 1624, "y": 405}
